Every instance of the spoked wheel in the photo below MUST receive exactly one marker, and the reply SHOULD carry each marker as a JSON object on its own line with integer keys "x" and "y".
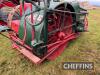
{"x": 59, "y": 23}
{"x": 59, "y": 27}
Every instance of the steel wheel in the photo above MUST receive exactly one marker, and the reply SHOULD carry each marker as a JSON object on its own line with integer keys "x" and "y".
{"x": 59, "y": 25}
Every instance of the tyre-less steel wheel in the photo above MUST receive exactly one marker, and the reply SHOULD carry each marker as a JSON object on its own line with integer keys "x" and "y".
{"x": 59, "y": 23}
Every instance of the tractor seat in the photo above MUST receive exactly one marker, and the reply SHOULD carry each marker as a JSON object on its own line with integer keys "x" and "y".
{"x": 15, "y": 25}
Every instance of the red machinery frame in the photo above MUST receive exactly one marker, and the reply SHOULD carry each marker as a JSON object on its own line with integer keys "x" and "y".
{"x": 54, "y": 49}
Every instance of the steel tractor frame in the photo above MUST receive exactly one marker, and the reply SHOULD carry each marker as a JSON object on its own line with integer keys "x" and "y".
{"x": 41, "y": 29}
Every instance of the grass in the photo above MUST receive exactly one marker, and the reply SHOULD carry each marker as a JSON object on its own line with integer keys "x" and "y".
{"x": 85, "y": 48}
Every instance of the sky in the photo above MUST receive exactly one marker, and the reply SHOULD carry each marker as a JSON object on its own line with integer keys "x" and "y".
{"x": 93, "y": 2}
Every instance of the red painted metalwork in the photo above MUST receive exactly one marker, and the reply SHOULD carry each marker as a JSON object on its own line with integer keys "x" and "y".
{"x": 26, "y": 5}
{"x": 63, "y": 32}
{"x": 15, "y": 25}
{"x": 3, "y": 23}
{"x": 11, "y": 14}
{"x": 6, "y": 3}
{"x": 27, "y": 53}
{"x": 57, "y": 41}
{"x": 52, "y": 48}
{"x": 60, "y": 46}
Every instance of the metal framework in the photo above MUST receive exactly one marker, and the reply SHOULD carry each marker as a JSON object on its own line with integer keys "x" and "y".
{"x": 43, "y": 29}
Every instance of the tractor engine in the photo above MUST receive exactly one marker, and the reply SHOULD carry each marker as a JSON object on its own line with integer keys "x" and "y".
{"x": 43, "y": 28}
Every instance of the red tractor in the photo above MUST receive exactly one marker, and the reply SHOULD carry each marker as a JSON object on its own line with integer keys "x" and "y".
{"x": 43, "y": 28}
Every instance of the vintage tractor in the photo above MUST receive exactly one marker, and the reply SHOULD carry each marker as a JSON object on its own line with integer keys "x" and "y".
{"x": 42, "y": 28}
